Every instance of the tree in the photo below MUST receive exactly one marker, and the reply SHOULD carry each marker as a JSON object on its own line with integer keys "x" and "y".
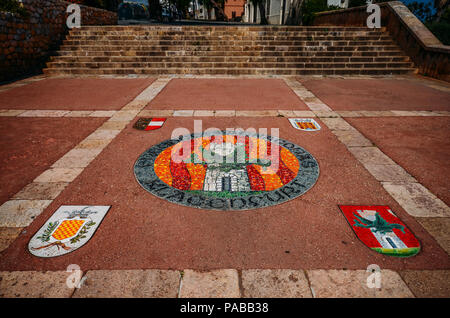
{"x": 218, "y": 9}
{"x": 295, "y": 13}
{"x": 262, "y": 10}
{"x": 441, "y": 6}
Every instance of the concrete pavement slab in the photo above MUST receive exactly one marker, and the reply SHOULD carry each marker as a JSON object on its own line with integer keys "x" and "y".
{"x": 34, "y": 284}
{"x": 31, "y": 145}
{"x": 40, "y": 191}
{"x": 389, "y": 173}
{"x": 377, "y": 94}
{"x": 429, "y": 284}
{"x": 74, "y": 94}
{"x": 129, "y": 283}
{"x": 275, "y": 283}
{"x": 8, "y": 235}
{"x": 20, "y": 213}
{"x": 417, "y": 200}
{"x": 222, "y": 283}
{"x": 439, "y": 228}
{"x": 215, "y": 94}
{"x": 346, "y": 283}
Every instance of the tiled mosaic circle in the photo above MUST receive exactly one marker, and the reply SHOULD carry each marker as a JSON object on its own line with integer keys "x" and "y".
{"x": 232, "y": 171}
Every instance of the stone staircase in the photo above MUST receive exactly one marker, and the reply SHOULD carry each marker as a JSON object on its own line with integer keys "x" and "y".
{"x": 228, "y": 50}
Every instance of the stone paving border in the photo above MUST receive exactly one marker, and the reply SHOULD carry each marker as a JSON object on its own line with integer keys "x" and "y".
{"x": 23, "y": 82}
{"x": 56, "y": 113}
{"x": 321, "y": 113}
{"x": 220, "y": 113}
{"x": 414, "y": 198}
{"x": 221, "y": 283}
{"x": 23, "y": 207}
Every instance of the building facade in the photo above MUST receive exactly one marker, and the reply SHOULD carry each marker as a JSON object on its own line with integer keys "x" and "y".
{"x": 234, "y": 8}
{"x": 278, "y": 10}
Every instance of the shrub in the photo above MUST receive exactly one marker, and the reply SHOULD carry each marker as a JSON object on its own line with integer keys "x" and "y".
{"x": 311, "y": 7}
{"x": 441, "y": 30}
{"x": 356, "y": 3}
{"x": 13, "y": 6}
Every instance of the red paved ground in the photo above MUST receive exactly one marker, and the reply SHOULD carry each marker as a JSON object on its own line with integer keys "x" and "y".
{"x": 28, "y": 146}
{"x": 421, "y": 145}
{"x": 234, "y": 94}
{"x": 143, "y": 231}
{"x": 74, "y": 94}
{"x": 377, "y": 94}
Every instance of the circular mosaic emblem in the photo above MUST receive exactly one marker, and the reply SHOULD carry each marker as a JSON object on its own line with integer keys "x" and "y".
{"x": 237, "y": 171}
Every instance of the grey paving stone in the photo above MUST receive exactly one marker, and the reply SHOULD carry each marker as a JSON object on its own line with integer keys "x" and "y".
{"x": 391, "y": 173}
{"x": 8, "y": 235}
{"x": 428, "y": 283}
{"x": 20, "y": 213}
{"x": 11, "y": 112}
{"x": 304, "y": 113}
{"x": 371, "y": 155}
{"x": 225, "y": 113}
{"x": 124, "y": 115}
{"x": 33, "y": 284}
{"x": 205, "y": 113}
{"x": 130, "y": 283}
{"x": 183, "y": 113}
{"x": 352, "y": 138}
{"x": 114, "y": 125}
{"x": 93, "y": 143}
{"x": 275, "y": 283}
{"x": 44, "y": 113}
{"x": 59, "y": 175}
{"x": 77, "y": 158}
{"x": 439, "y": 228}
{"x": 79, "y": 113}
{"x": 337, "y": 124}
{"x": 211, "y": 284}
{"x": 353, "y": 283}
{"x": 40, "y": 191}
{"x": 325, "y": 114}
{"x": 155, "y": 113}
{"x": 417, "y": 200}
{"x": 107, "y": 134}
{"x": 102, "y": 113}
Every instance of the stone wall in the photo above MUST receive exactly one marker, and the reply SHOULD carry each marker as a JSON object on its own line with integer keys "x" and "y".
{"x": 27, "y": 43}
{"x": 430, "y": 56}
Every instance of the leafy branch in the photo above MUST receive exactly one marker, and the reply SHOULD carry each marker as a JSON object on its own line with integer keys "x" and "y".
{"x": 82, "y": 232}
{"x": 45, "y": 237}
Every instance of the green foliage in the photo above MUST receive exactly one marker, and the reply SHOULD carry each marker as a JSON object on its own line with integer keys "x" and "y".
{"x": 45, "y": 237}
{"x": 441, "y": 30}
{"x": 356, "y": 3}
{"x": 82, "y": 232}
{"x": 311, "y": 7}
{"x": 13, "y": 6}
{"x": 421, "y": 10}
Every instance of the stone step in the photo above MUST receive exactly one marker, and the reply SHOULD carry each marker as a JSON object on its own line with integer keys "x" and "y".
{"x": 131, "y": 43}
{"x": 228, "y": 29}
{"x": 122, "y": 59}
{"x": 178, "y": 48}
{"x": 205, "y": 31}
{"x": 224, "y": 71}
{"x": 228, "y": 50}
{"x": 227, "y": 65}
{"x": 183, "y": 35}
{"x": 231, "y": 53}
{"x": 381, "y": 37}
